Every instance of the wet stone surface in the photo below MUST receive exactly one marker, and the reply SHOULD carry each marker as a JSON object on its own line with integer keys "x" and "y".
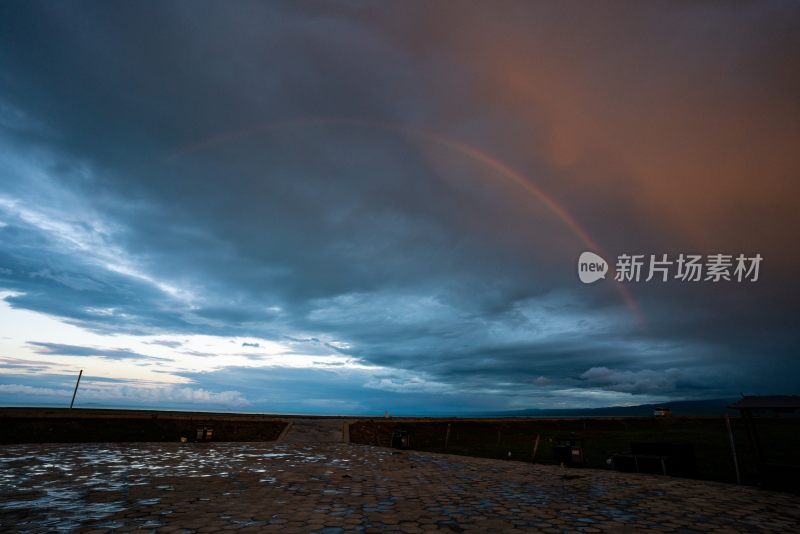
{"x": 335, "y": 487}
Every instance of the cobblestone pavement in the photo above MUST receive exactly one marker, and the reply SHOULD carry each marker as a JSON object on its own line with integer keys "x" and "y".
{"x": 336, "y": 487}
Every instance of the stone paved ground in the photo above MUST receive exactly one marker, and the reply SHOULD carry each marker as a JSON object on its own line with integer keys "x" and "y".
{"x": 336, "y": 487}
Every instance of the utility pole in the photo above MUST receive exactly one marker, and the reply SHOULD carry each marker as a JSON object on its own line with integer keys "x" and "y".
{"x": 76, "y": 389}
{"x": 733, "y": 449}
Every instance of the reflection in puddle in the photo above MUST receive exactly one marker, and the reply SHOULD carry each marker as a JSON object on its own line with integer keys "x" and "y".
{"x": 57, "y": 487}
{"x": 62, "y": 487}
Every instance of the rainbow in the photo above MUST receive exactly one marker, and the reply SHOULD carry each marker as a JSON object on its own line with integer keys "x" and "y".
{"x": 469, "y": 151}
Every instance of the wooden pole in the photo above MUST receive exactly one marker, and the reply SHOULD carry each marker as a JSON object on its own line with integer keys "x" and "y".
{"x": 535, "y": 448}
{"x": 447, "y": 436}
{"x": 76, "y": 389}
{"x": 733, "y": 449}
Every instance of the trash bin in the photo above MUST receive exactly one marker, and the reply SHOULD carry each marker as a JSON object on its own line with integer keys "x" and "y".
{"x": 400, "y": 439}
{"x": 204, "y": 433}
{"x": 569, "y": 452}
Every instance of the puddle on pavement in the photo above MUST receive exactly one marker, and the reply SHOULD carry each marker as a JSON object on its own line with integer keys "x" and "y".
{"x": 61, "y": 487}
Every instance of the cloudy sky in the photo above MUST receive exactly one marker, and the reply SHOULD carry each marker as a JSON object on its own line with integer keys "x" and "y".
{"x": 359, "y": 207}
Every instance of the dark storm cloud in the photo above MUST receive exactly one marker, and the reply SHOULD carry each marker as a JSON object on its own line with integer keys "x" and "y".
{"x": 267, "y": 170}
{"x": 59, "y": 349}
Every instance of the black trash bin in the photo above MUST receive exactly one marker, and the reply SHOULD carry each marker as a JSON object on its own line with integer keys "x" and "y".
{"x": 569, "y": 452}
{"x": 204, "y": 434}
{"x": 400, "y": 439}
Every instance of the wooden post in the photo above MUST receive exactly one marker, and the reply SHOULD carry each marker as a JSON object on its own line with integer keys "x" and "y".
{"x": 733, "y": 449}
{"x": 535, "y": 448}
{"x": 447, "y": 436}
{"x": 76, "y": 389}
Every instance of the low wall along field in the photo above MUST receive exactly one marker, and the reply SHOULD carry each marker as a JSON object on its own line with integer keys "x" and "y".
{"x": 28, "y": 425}
{"x": 508, "y": 439}
{"x": 495, "y": 438}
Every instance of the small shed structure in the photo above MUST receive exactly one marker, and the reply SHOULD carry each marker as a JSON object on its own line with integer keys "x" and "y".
{"x": 775, "y": 474}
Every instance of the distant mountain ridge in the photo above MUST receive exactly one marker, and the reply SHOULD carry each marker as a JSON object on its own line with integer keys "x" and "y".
{"x": 689, "y": 407}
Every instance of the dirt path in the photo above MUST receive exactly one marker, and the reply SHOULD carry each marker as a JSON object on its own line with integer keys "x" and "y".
{"x": 315, "y": 430}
